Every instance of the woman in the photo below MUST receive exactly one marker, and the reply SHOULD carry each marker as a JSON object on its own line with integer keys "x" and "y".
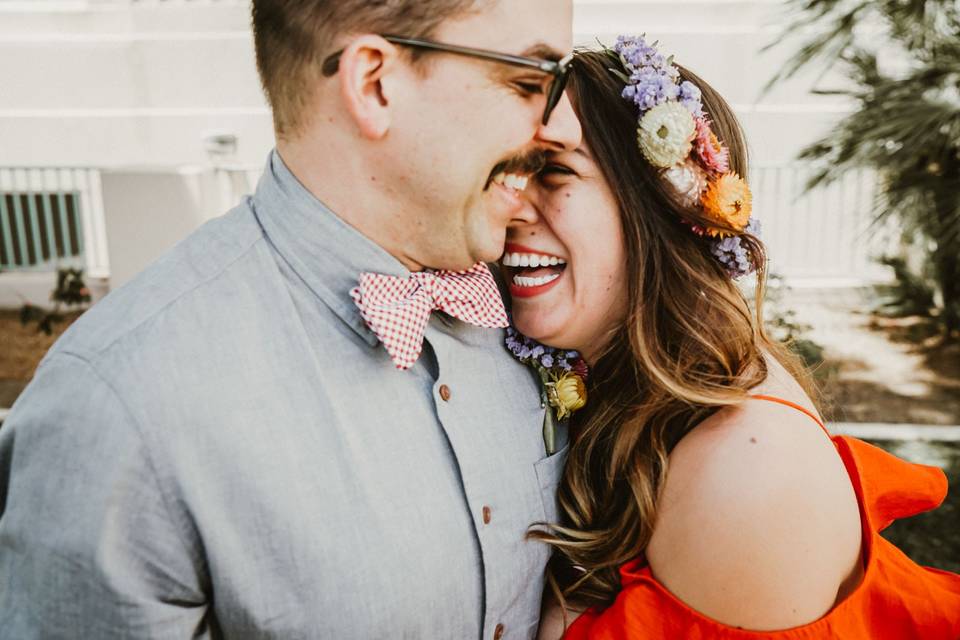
{"x": 701, "y": 498}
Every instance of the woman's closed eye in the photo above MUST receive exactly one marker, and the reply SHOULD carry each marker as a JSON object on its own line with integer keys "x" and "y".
{"x": 553, "y": 174}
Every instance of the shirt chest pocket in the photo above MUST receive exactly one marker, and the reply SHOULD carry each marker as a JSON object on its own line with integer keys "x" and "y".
{"x": 549, "y": 471}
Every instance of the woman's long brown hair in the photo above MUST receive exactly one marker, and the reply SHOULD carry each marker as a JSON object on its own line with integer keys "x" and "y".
{"x": 689, "y": 345}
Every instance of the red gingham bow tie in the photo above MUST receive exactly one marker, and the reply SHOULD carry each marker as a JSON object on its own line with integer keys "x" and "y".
{"x": 397, "y": 310}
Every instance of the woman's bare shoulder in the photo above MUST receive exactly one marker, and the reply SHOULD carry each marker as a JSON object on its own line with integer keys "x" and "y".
{"x": 758, "y": 525}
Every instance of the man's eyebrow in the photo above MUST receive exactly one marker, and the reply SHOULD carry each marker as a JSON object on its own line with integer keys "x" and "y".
{"x": 543, "y": 51}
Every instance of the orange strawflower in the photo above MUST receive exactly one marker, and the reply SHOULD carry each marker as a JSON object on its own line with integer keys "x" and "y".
{"x": 728, "y": 201}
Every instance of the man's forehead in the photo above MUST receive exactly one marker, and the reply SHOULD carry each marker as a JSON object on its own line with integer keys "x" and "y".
{"x": 532, "y": 28}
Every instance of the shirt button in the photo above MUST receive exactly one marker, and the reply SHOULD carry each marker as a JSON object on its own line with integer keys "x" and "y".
{"x": 486, "y": 514}
{"x": 498, "y": 632}
{"x": 444, "y": 392}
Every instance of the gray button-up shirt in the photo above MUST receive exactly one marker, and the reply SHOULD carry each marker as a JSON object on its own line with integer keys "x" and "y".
{"x": 222, "y": 448}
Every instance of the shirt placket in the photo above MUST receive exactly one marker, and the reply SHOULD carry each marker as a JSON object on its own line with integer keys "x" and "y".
{"x": 458, "y": 416}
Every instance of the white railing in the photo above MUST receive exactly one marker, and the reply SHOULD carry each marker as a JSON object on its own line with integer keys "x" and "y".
{"x": 234, "y": 182}
{"x": 826, "y": 235}
{"x": 50, "y": 217}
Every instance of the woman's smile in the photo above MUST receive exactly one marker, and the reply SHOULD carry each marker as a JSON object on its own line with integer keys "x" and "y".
{"x": 531, "y": 272}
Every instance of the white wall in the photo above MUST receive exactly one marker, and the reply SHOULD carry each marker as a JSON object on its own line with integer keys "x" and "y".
{"x": 118, "y": 83}
{"x": 148, "y": 211}
{"x": 127, "y": 84}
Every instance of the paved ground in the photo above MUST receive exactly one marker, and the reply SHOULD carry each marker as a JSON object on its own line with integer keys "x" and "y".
{"x": 879, "y": 369}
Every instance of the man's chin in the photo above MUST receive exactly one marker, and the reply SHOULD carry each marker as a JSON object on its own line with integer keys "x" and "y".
{"x": 491, "y": 253}
{"x": 458, "y": 264}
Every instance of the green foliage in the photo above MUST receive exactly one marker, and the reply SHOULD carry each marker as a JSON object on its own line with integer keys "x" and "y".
{"x": 907, "y": 120}
{"x": 70, "y": 291}
{"x": 911, "y": 294}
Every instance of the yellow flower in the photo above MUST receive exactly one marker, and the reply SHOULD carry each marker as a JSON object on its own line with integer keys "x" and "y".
{"x": 728, "y": 201}
{"x": 567, "y": 394}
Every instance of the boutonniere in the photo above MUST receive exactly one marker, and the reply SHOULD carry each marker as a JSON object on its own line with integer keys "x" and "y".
{"x": 563, "y": 375}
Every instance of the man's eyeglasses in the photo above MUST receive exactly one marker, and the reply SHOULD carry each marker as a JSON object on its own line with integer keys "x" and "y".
{"x": 559, "y": 69}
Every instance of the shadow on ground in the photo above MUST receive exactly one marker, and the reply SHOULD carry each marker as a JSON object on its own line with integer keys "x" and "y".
{"x": 881, "y": 369}
{"x": 851, "y": 400}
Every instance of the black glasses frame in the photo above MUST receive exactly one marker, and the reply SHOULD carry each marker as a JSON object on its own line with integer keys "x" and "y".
{"x": 559, "y": 69}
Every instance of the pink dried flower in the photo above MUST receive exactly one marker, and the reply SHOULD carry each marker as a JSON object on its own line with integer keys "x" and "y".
{"x": 713, "y": 155}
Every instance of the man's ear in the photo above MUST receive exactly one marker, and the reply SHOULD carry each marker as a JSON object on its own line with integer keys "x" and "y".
{"x": 363, "y": 65}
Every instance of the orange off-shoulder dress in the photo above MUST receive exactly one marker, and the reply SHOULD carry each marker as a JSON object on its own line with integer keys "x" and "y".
{"x": 896, "y": 600}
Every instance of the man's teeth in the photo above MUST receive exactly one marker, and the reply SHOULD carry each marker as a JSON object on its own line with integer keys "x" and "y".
{"x": 531, "y": 260}
{"x": 524, "y": 281}
{"x": 512, "y": 180}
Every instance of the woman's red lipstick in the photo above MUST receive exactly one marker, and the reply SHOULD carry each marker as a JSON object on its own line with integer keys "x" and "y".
{"x": 518, "y": 291}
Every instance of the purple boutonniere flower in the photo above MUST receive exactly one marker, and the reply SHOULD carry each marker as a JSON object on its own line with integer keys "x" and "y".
{"x": 563, "y": 374}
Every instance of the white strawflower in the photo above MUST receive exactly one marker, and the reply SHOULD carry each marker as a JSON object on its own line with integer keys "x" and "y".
{"x": 665, "y": 134}
{"x": 688, "y": 180}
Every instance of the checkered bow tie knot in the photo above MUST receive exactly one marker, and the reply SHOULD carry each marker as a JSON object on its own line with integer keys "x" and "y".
{"x": 397, "y": 310}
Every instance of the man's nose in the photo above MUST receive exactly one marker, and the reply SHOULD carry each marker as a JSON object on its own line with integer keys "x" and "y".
{"x": 562, "y": 131}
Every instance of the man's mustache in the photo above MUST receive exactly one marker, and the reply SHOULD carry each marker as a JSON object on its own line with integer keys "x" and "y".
{"x": 528, "y": 163}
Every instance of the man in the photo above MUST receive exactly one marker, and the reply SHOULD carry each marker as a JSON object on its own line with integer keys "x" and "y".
{"x": 225, "y": 448}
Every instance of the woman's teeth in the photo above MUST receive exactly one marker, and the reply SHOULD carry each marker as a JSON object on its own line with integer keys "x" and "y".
{"x": 513, "y": 181}
{"x": 532, "y": 260}
{"x": 524, "y": 281}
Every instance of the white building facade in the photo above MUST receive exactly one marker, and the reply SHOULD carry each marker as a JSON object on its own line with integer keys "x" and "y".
{"x": 115, "y": 114}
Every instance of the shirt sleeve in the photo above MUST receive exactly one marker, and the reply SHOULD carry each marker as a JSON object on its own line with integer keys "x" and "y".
{"x": 90, "y": 545}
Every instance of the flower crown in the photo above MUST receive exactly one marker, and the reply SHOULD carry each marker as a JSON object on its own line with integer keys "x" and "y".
{"x": 675, "y": 136}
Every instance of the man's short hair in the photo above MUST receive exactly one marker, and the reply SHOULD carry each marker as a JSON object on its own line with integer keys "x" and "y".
{"x": 292, "y": 37}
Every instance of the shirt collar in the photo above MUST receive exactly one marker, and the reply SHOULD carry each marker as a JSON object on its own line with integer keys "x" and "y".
{"x": 322, "y": 249}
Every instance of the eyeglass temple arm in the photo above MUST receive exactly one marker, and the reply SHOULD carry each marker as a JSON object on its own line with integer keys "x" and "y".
{"x": 331, "y": 64}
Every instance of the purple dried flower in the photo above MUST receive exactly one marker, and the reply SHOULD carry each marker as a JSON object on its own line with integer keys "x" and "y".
{"x": 734, "y": 255}
{"x": 637, "y": 53}
{"x": 533, "y": 353}
{"x": 649, "y": 89}
{"x": 691, "y": 97}
{"x": 653, "y": 78}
